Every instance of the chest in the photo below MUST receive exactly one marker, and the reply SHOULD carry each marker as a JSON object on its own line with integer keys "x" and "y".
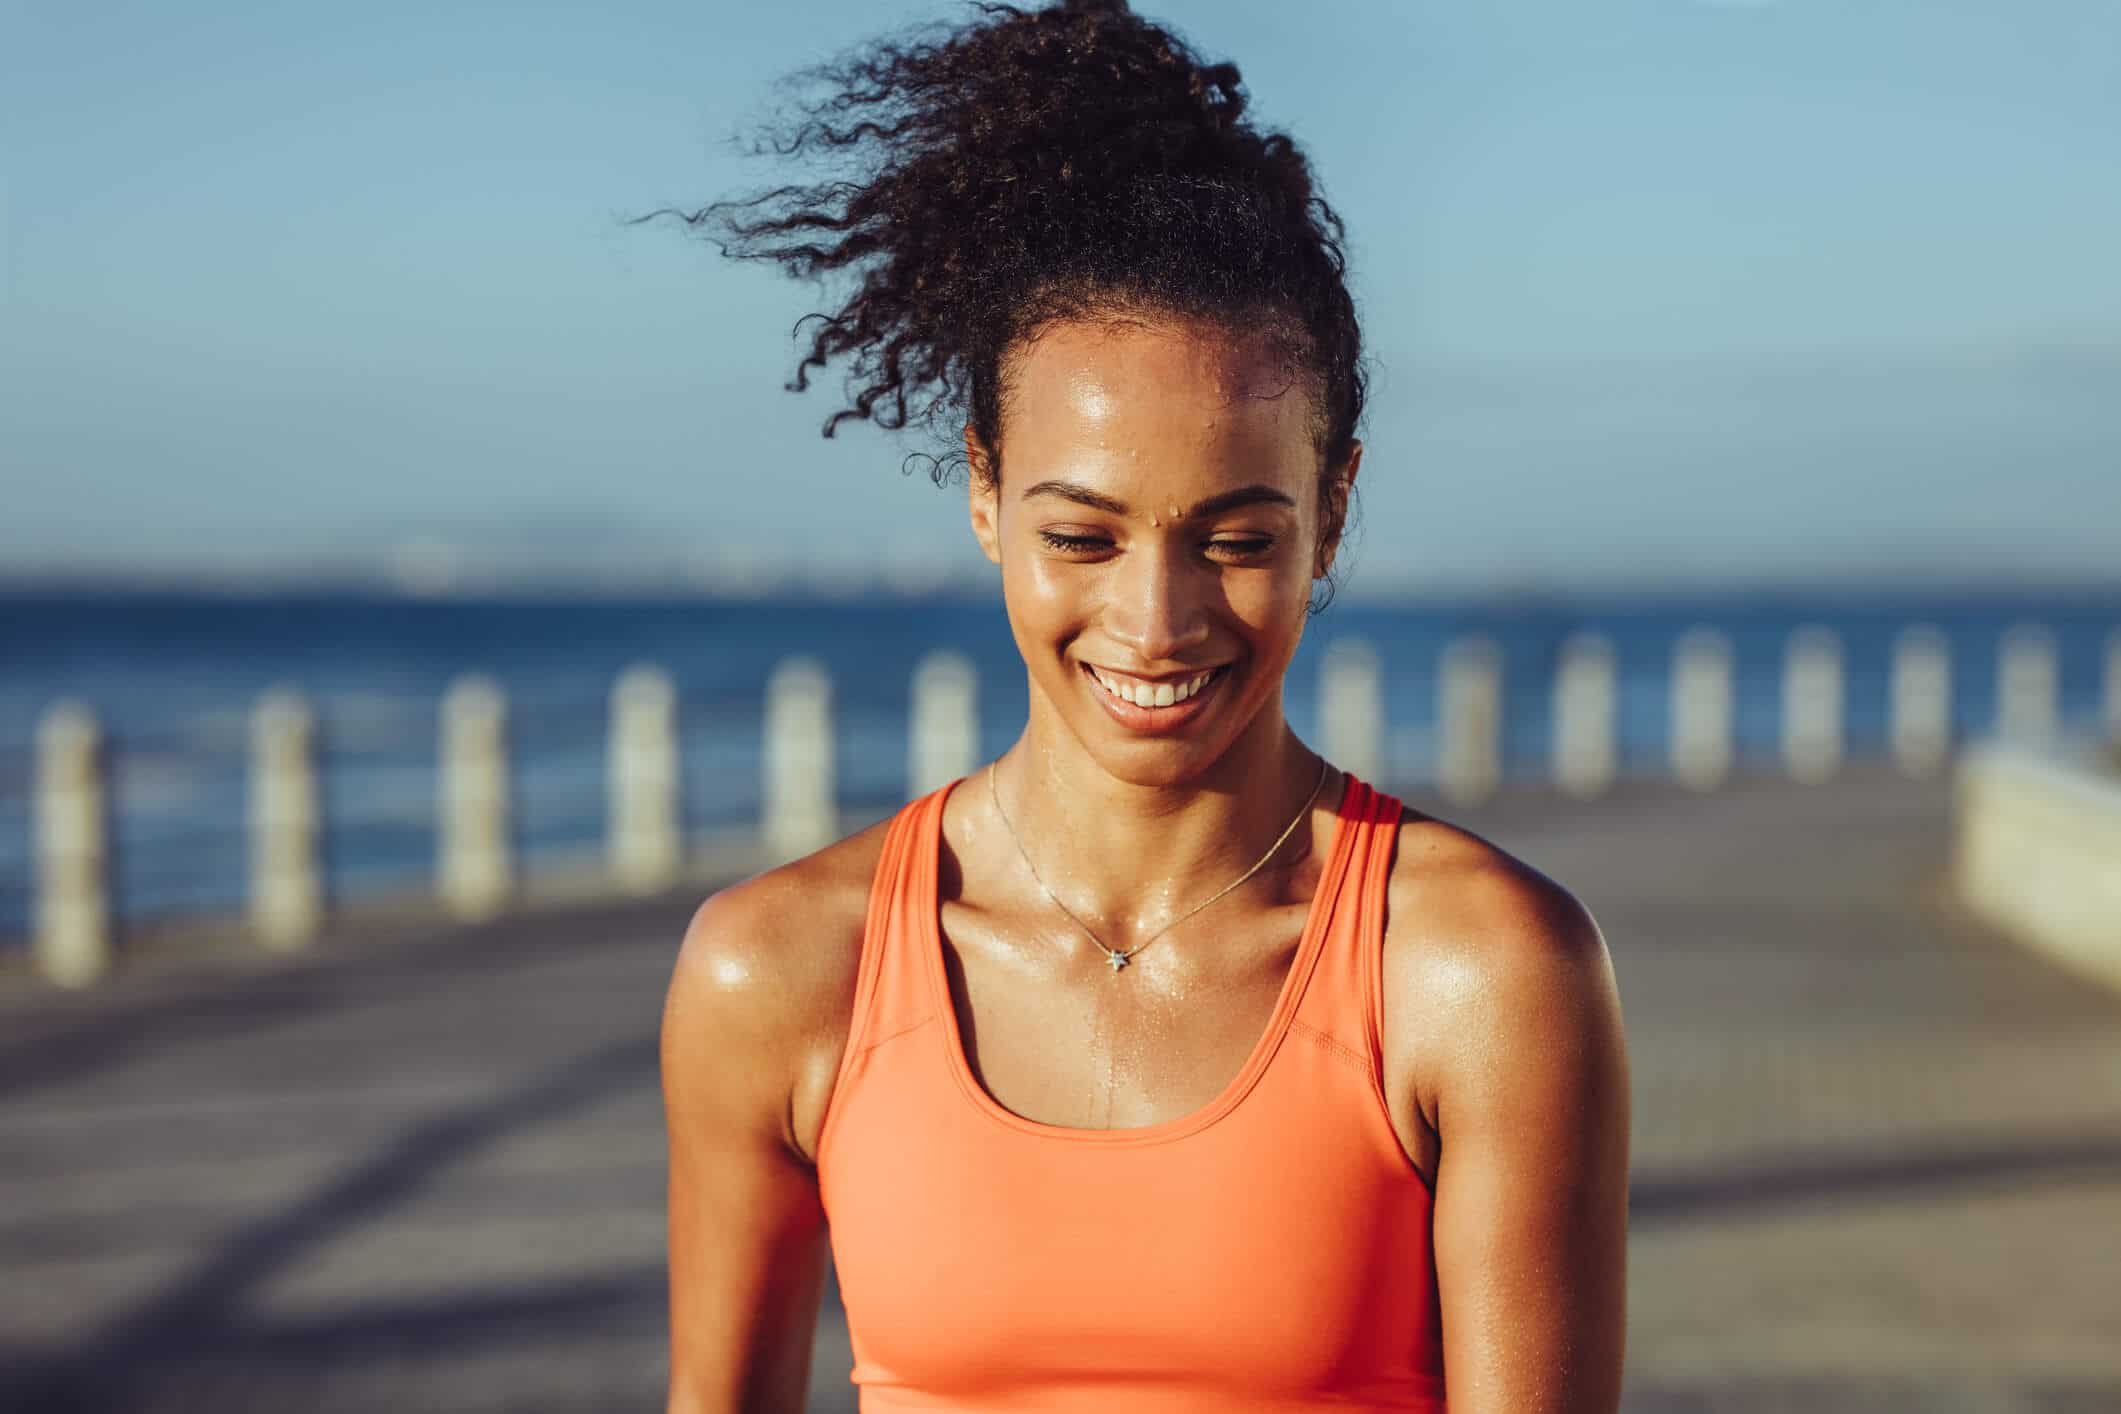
{"x": 1275, "y": 1246}
{"x": 1053, "y": 1034}
{"x": 1050, "y": 1035}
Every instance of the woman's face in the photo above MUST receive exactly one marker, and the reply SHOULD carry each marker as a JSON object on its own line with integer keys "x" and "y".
{"x": 1157, "y": 523}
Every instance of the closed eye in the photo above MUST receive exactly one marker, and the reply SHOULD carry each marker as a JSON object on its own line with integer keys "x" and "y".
{"x": 1060, "y": 541}
{"x": 1228, "y": 548}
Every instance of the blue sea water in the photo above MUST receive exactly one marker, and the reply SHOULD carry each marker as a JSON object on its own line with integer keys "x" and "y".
{"x": 174, "y": 677}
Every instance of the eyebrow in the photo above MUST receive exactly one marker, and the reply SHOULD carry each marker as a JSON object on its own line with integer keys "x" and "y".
{"x": 1257, "y": 494}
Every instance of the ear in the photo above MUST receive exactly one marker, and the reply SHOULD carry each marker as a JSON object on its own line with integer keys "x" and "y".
{"x": 983, "y": 496}
{"x": 1339, "y": 487}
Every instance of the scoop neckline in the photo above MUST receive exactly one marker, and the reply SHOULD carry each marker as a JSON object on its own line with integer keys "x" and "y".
{"x": 1278, "y": 1020}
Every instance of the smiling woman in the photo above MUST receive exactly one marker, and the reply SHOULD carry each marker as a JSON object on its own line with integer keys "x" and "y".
{"x": 1169, "y": 528}
{"x": 1353, "y": 1132}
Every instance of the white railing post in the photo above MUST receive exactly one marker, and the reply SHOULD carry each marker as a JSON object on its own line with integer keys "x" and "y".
{"x": 1469, "y": 761}
{"x": 1351, "y": 709}
{"x": 1919, "y": 707}
{"x": 286, "y": 868}
{"x": 73, "y": 905}
{"x": 475, "y": 867}
{"x": 1701, "y": 709}
{"x": 1585, "y": 706}
{"x": 2026, "y": 694}
{"x": 945, "y": 723}
{"x": 641, "y": 780}
{"x": 2113, "y": 687}
{"x": 1811, "y": 705}
{"x": 801, "y": 813}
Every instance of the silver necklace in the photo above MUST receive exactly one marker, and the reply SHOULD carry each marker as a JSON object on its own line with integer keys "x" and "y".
{"x": 1114, "y": 958}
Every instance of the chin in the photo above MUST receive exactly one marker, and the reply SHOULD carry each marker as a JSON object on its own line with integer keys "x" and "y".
{"x": 1155, "y": 769}
{"x": 1157, "y": 761}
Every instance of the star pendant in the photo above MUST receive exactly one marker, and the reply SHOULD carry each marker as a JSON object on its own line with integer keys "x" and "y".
{"x": 1115, "y": 960}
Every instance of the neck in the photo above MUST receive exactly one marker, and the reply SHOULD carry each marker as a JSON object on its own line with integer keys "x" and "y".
{"x": 1129, "y": 857}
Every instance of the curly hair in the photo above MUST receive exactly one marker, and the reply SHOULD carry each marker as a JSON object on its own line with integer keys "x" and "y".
{"x": 1035, "y": 165}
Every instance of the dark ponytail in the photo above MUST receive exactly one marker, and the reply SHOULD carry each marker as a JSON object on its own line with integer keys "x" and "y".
{"x": 1033, "y": 165}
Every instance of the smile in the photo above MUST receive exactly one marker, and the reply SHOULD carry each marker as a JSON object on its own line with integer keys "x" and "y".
{"x": 1142, "y": 693}
{"x": 1155, "y": 708}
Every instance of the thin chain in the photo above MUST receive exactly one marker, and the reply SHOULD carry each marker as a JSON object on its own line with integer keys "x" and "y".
{"x": 1114, "y": 958}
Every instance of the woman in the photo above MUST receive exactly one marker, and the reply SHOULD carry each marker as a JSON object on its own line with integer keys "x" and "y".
{"x": 1158, "y": 1065}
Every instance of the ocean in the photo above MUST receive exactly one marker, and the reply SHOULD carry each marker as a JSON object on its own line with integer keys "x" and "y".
{"x": 173, "y": 678}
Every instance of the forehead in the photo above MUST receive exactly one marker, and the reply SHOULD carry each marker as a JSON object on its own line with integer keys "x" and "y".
{"x": 1177, "y": 394}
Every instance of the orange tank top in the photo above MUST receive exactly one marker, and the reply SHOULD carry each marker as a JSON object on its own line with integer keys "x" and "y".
{"x": 1269, "y": 1251}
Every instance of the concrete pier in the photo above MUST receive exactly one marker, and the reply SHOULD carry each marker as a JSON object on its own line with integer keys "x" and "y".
{"x": 1877, "y": 1150}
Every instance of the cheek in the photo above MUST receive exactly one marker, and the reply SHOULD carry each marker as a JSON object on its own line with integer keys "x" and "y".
{"x": 1036, "y": 586}
{"x": 1273, "y": 605}
{"x": 1042, "y": 602}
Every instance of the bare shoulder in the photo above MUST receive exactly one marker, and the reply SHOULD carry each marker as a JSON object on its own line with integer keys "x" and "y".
{"x": 1500, "y": 997}
{"x": 1480, "y": 906}
{"x": 1494, "y": 966}
{"x": 762, "y": 990}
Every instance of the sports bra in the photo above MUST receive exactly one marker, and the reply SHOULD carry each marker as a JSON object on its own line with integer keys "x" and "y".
{"x": 1269, "y": 1251}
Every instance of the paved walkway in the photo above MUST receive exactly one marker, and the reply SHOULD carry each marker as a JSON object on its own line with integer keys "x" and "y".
{"x": 1877, "y": 1152}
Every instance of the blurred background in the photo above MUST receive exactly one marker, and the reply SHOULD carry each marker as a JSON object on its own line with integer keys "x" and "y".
{"x": 416, "y": 590}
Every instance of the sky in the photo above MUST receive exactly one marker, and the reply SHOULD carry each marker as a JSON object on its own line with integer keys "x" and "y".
{"x": 1655, "y": 290}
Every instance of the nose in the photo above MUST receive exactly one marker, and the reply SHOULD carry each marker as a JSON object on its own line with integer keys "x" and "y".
{"x": 1158, "y": 607}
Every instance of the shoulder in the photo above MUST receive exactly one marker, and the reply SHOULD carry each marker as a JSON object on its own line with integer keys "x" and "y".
{"x": 762, "y": 989}
{"x": 775, "y": 939}
{"x": 1520, "y": 1068}
{"x": 1502, "y": 971}
{"x": 1482, "y": 906}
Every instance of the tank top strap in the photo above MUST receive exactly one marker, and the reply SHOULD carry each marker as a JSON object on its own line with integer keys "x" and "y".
{"x": 1340, "y": 1006}
{"x": 891, "y": 994}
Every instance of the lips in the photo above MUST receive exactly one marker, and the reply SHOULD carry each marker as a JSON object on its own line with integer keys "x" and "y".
{"x": 1142, "y": 692}
{"x": 1201, "y": 689}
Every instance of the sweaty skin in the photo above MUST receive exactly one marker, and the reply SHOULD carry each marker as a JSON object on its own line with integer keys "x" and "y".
{"x": 1157, "y": 509}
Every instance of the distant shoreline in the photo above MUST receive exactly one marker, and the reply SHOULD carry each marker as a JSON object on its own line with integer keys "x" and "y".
{"x": 90, "y": 585}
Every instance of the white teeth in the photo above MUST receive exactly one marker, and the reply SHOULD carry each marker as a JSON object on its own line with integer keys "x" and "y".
{"x": 1145, "y": 694}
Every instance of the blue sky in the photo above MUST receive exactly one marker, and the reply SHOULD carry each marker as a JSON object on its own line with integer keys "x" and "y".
{"x": 1657, "y": 289}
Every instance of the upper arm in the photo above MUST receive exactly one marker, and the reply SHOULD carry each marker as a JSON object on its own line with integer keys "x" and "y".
{"x": 1532, "y": 1114}
{"x": 746, "y": 1227}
